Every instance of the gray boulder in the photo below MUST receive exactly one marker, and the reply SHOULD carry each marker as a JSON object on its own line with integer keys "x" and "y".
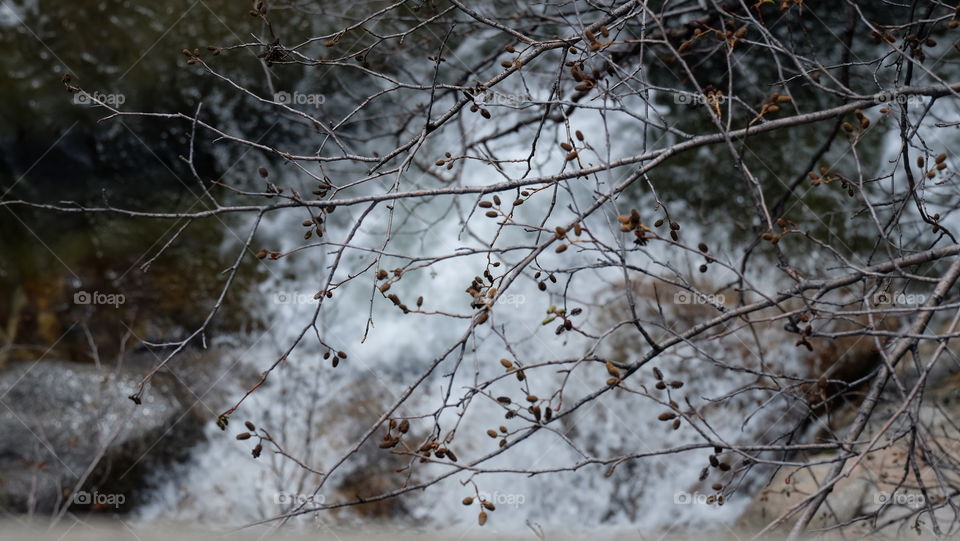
{"x": 70, "y": 435}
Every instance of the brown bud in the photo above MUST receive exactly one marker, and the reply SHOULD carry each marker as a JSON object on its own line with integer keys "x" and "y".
{"x": 612, "y": 369}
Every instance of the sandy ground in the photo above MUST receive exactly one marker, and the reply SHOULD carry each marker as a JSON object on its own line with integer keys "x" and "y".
{"x": 117, "y": 530}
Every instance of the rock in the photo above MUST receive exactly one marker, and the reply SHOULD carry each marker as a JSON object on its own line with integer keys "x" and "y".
{"x": 876, "y": 498}
{"x": 69, "y": 427}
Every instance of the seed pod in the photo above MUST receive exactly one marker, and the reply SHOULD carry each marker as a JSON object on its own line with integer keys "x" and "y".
{"x": 482, "y": 318}
{"x": 506, "y": 364}
{"x": 674, "y": 226}
{"x": 384, "y": 287}
{"x": 676, "y": 424}
{"x": 567, "y": 147}
{"x": 561, "y": 248}
{"x": 243, "y": 436}
{"x": 847, "y": 127}
{"x": 613, "y": 370}
{"x": 657, "y": 373}
{"x": 941, "y": 158}
{"x": 341, "y": 354}
{"x": 661, "y": 385}
{"x": 532, "y": 398}
{"x": 250, "y": 426}
{"x": 485, "y": 114}
{"x": 560, "y": 232}
{"x": 579, "y": 135}
{"x": 577, "y": 229}
{"x": 262, "y": 254}
{"x": 572, "y": 156}
{"x": 612, "y": 382}
{"x": 506, "y": 63}
{"x": 496, "y": 200}
{"x": 941, "y": 166}
{"x": 263, "y": 172}
{"x": 703, "y": 247}
{"x": 717, "y": 486}
{"x": 388, "y": 443}
{"x": 724, "y": 466}
{"x": 535, "y": 410}
{"x": 503, "y": 441}
{"x": 404, "y": 426}
{"x": 667, "y": 416}
{"x": 492, "y": 433}
{"x": 713, "y": 461}
{"x": 704, "y": 473}
{"x": 257, "y": 449}
{"x": 703, "y": 268}
{"x": 381, "y": 274}
{"x": 783, "y": 99}
{"x": 548, "y": 414}
{"x": 520, "y": 375}
{"x": 468, "y": 500}
{"x": 542, "y": 286}
{"x": 485, "y": 204}
{"x": 674, "y": 236}
{"x": 504, "y": 399}
{"x": 419, "y": 301}
{"x": 492, "y": 214}
{"x": 482, "y": 519}
{"x": 488, "y": 505}
{"x": 919, "y": 161}
{"x": 676, "y": 384}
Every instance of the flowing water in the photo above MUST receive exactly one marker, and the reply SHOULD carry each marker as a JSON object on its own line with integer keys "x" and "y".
{"x": 317, "y": 412}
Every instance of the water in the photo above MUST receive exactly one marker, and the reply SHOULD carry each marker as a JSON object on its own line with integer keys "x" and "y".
{"x": 317, "y": 413}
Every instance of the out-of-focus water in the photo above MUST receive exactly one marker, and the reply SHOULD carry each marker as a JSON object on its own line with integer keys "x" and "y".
{"x": 317, "y": 412}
